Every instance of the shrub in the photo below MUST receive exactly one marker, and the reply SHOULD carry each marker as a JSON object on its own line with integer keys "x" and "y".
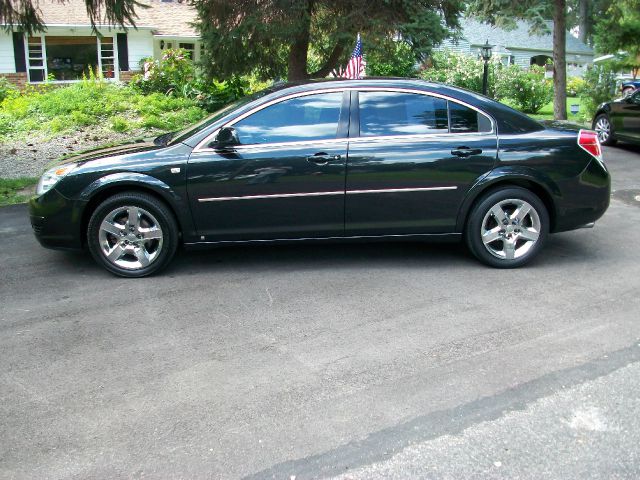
{"x": 600, "y": 86}
{"x": 455, "y": 69}
{"x": 94, "y": 102}
{"x": 7, "y": 89}
{"x": 393, "y": 60}
{"x": 168, "y": 75}
{"x": 528, "y": 89}
{"x": 120, "y": 124}
{"x": 575, "y": 85}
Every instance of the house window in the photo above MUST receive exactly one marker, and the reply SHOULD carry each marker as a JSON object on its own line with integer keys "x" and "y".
{"x": 36, "y": 59}
{"x": 107, "y": 57}
{"x": 70, "y": 58}
{"x": 189, "y": 47}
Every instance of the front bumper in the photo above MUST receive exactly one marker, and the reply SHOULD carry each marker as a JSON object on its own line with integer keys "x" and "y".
{"x": 57, "y": 220}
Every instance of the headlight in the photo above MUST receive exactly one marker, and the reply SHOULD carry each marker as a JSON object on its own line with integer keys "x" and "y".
{"x": 53, "y": 176}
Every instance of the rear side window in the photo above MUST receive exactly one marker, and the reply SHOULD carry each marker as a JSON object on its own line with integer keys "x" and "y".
{"x": 396, "y": 113}
{"x": 467, "y": 120}
{"x": 311, "y": 117}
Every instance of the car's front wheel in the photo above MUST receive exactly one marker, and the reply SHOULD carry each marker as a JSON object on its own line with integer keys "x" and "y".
{"x": 602, "y": 126}
{"x": 132, "y": 234}
{"x": 507, "y": 227}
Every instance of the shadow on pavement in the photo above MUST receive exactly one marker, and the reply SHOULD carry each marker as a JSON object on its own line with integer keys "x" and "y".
{"x": 560, "y": 249}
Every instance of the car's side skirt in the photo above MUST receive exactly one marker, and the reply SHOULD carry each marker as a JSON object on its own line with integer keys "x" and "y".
{"x": 425, "y": 237}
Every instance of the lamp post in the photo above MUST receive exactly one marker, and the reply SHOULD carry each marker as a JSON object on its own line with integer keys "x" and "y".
{"x": 485, "y": 52}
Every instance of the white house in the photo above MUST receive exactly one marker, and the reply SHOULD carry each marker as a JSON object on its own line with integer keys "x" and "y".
{"x": 68, "y": 48}
{"x": 519, "y": 46}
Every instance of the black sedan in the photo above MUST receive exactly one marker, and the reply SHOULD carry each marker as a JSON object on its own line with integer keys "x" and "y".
{"x": 619, "y": 120}
{"x": 326, "y": 161}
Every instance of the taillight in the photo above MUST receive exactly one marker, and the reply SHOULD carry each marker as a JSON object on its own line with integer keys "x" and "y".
{"x": 588, "y": 141}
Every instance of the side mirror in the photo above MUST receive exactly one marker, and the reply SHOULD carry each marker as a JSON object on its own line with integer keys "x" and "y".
{"x": 227, "y": 137}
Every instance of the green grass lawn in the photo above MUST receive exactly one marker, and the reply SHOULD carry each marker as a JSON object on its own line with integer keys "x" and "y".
{"x": 11, "y": 190}
{"x": 546, "y": 113}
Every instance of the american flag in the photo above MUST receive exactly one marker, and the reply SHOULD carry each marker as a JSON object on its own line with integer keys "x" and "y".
{"x": 356, "y": 66}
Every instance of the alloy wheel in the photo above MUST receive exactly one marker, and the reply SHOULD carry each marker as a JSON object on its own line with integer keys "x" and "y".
{"x": 510, "y": 229}
{"x": 603, "y": 129}
{"x": 130, "y": 237}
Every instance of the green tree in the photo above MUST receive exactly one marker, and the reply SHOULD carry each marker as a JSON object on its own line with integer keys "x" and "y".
{"x": 619, "y": 31}
{"x": 287, "y": 37}
{"x": 25, "y": 14}
{"x": 505, "y": 12}
{"x": 584, "y": 14}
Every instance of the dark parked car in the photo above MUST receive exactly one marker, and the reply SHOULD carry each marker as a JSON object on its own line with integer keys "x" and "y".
{"x": 619, "y": 120}
{"x": 629, "y": 87}
{"x": 330, "y": 160}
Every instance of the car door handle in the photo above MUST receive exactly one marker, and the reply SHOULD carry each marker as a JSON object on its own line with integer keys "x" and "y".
{"x": 465, "y": 151}
{"x": 322, "y": 158}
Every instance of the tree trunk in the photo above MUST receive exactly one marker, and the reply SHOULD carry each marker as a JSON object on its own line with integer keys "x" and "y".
{"x": 559, "y": 60}
{"x": 299, "y": 49}
{"x": 584, "y": 23}
{"x": 331, "y": 62}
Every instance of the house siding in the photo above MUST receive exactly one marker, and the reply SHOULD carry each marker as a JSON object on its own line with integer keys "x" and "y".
{"x": 523, "y": 58}
{"x": 7, "y": 62}
{"x": 462, "y": 46}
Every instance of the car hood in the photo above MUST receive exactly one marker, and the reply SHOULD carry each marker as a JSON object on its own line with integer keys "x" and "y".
{"x": 140, "y": 145}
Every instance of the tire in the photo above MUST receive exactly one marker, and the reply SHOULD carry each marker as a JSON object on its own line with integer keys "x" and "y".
{"x": 132, "y": 250}
{"x": 507, "y": 245}
{"x": 604, "y": 129}
{"x": 628, "y": 91}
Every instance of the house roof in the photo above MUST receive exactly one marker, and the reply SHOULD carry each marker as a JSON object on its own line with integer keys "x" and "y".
{"x": 171, "y": 18}
{"x": 477, "y": 33}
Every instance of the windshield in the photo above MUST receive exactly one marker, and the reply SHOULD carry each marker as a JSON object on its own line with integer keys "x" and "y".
{"x": 182, "y": 135}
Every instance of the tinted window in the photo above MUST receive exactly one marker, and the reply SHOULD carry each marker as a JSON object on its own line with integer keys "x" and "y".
{"x": 467, "y": 120}
{"x": 389, "y": 113}
{"x": 312, "y": 117}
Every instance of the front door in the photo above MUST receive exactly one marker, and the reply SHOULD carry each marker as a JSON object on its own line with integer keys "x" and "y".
{"x": 629, "y": 118}
{"x": 414, "y": 160}
{"x": 284, "y": 180}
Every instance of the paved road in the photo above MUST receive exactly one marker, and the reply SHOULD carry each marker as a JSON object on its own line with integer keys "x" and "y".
{"x": 314, "y": 361}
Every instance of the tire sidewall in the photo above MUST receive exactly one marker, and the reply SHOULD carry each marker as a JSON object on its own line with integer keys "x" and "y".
{"x": 476, "y": 217}
{"x": 157, "y": 208}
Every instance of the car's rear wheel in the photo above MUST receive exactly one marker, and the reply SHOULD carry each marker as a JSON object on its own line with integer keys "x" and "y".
{"x": 507, "y": 227}
{"x": 132, "y": 234}
{"x": 602, "y": 126}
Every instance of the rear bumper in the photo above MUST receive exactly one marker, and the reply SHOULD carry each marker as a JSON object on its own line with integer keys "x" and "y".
{"x": 57, "y": 220}
{"x": 585, "y": 198}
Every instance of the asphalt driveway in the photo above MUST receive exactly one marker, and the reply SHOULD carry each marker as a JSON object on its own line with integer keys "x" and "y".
{"x": 313, "y": 361}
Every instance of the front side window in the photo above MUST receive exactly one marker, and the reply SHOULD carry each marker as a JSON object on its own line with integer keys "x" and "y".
{"x": 396, "y": 113}
{"x": 312, "y": 117}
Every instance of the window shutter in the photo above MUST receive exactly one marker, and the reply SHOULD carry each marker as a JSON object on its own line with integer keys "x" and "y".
{"x": 123, "y": 52}
{"x": 18, "y": 52}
